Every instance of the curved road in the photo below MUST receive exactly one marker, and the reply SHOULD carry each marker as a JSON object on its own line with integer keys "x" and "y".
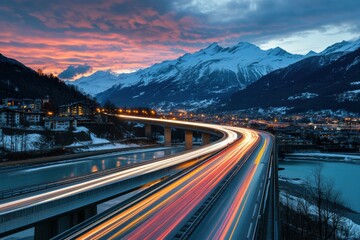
{"x": 220, "y": 199}
{"x": 11, "y": 205}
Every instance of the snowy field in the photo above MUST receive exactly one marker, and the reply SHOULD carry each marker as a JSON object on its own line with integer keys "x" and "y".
{"x": 25, "y": 142}
{"x": 295, "y": 203}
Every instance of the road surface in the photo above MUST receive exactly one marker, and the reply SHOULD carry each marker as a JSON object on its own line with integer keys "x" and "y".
{"x": 192, "y": 206}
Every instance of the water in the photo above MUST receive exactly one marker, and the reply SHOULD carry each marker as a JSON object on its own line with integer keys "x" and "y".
{"x": 54, "y": 172}
{"x": 346, "y": 177}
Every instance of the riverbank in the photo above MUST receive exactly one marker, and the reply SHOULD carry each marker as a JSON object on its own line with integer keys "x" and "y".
{"x": 297, "y": 171}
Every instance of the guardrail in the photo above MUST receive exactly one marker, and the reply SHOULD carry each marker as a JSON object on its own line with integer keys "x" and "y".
{"x": 34, "y": 188}
{"x": 76, "y": 231}
{"x": 191, "y": 224}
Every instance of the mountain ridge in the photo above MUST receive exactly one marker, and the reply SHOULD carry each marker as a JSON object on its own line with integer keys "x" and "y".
{"x": 212, "y": 70}
{"x": 312, "y": 84}
{"x": 20, "y": 81}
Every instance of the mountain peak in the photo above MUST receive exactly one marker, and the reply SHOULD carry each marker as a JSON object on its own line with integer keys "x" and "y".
{"x": 212, "y": 48}
{"x": 241, "y": 46}
{"x": 278, "y": 51}
{"x": 337, "y": 47}
{"x": 102, "y": 73}
{"x": 245, "y": 45}
{"x": 310, "y": 53}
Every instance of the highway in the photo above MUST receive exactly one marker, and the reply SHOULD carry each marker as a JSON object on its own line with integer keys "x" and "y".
{"x": 12, "y": 205}
{"x": 237, "y": 211}
{"x": 227, "y": 188}
{"x": 219, "y": 199}
{"x": 40, "y": 174}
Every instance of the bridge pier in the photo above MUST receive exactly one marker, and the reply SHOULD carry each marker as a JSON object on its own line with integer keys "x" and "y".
{"x": 148, "y": 131}
{"x": 188, "y": 139}
{"x": 167, "y": 136}
{"x": 205, "y": 138}
{"x": 58, "y": 224}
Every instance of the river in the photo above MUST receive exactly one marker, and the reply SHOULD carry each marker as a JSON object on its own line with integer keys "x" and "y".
{"x": 345, "y": 172}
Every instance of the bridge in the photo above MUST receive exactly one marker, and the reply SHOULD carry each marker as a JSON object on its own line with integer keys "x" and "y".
{"x": 239, "y": 166}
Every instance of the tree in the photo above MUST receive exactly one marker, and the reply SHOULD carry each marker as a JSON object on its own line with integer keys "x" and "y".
{"x": 329, "y": 206}
{"x": 109, "y": 105}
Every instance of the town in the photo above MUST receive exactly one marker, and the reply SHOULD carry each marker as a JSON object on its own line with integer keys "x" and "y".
{"x": 293, "y": 131}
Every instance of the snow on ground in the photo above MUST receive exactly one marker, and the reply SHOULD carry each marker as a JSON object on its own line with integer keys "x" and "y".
{"x": 296, "y": 202}
{"x": 329, "y": 112}
{"x": 326, "y": 156}
{"x": 140, "y": 94}
{"x": 25, "y": 142}
{"x": 293, "y": 181}
{"x": 355, "y": 83}
{"x": 100, "y": 143}
{"x": 354, "y": 63}
{"x": 108, "y": 146}
{"x": 96, "y": 140}
{"x": 318, "y": 154}
{"x": 302, "y": 96}
{"x": 279, "y": 110}
{"x": 190, "y": 105}
{"x": 80, "y": 129}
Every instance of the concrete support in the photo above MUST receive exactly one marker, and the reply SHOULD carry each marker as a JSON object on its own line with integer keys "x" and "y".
{"x": 205, "y": 138}
{"x": 56, "y": 225}
{"x": 148, "y": 131}
{"x": 188, "y": 139}
{"x": 167, "y": 136}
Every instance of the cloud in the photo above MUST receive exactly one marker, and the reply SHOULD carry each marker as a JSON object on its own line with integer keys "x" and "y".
{"x": 132, "y": 34}
{"x": 73, "y": 71}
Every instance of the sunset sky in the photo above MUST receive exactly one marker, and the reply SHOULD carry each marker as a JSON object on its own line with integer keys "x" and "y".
{"x": 75, "y": 37}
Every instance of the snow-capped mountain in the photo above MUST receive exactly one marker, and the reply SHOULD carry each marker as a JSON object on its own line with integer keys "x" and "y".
{"x": 95, "y": 83}
{"x": 341, "y": 47}
{"x": 198, "y": 79}
{"x": 315, "y": 83}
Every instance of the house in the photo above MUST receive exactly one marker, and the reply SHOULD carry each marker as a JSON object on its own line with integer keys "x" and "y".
{"x": 60, "y": 123}
{"x": 76, "y": 109}
{"x": 25, "y": 103}
{"x": 38, "y": 104}
{"x": 9, "y": 117}
{"x": 32, "y": 117}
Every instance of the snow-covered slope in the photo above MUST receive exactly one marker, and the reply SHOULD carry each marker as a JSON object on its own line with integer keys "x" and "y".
{"x": 204, "y": 76}
{"x": 95, "y": 83}
{"x": 342, "y": 47}
{"x": 246, "y": 60}
{"x": 198, "y": 79}
{"x": 314, "y": 84}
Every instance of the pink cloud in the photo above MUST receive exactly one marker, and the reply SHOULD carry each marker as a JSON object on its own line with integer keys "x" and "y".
{"x": 94, "y": 34}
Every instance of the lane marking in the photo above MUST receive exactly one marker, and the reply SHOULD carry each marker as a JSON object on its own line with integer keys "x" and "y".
{"x": 249, "y": 232}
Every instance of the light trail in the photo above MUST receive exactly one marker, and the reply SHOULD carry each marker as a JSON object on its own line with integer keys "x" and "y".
{"x": 51, "y": 195}
{"x": 160, "y": 215}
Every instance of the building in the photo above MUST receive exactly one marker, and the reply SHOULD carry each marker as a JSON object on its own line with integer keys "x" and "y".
{"x": 38, "y": 105}
{"x": 76, "y": 109}
{"x": 32, "y": 117}
{"x": 25, "y": 103}
{"x": 60, "y": 123}
{"x": 9, "y": 117}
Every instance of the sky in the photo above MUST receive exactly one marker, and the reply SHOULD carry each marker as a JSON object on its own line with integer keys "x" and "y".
{"x": 71, "y": 38}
